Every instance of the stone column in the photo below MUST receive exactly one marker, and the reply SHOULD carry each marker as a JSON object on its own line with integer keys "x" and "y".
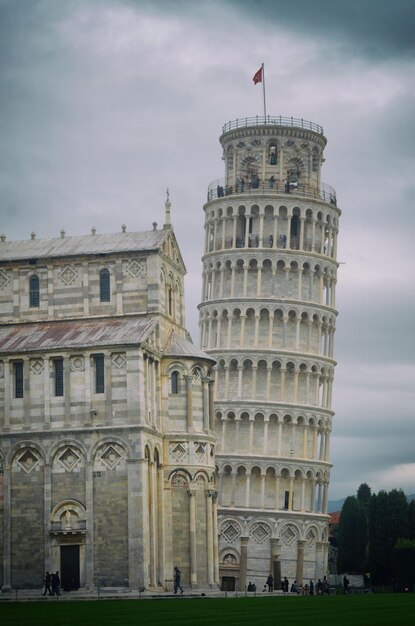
{"x": 254, "y": 379}
{"x": 319, "y": 560}
{"x": 251, "y": 434}
{"x": 26, "y": 394}
{"x": 268, "y": 383}
{"x": 46, "y": 393}
{"x": 245, "y": 283}
{"x": 192, "y": 532}
{"x": 232, "y": 280}
{"x": 205, "y": 387}
{"x": 241, "y": 338}
{"x": 133, "y": 517}
{"x": 302, "y": 221}
{"x": 247, "y": 490}
{"x": 240, "y": 370}
{"x": 189, "y": 402}
{"x": 152, "y": 525}
{"x": 279, "y": 437}
{"x": 293, "y": 432}
{"x": 313, "y": 496}
{"x": 265, "y": 444}
{"x": 325, "y": 497}
{"x": 229, "y": 332}
{"x": 259, "y": 282}
{"x": 161, "y": 559}
{"x": 47, "y": 507}
{"x": 275, "y": 553}
{"x": 256, "y": 332}
{"x": 271, "y": 322}
{"x": 67, "y": 389}
{"x": 211, "y": 389}
{"x": 262, "y": 490}
{"x": 302, "y": 503}
{"x": 300, "y": 283}
{"x": 277, "y": 493}
{"x": 261, "y": 229}
{"x": 235, "y": 221}
{"x": 233, "y": 487}
{"x": 215, "y": 536}
{"x": 282, "y": 388}
{"x": 291, "y": 494}
{"x": 319, "y": 498}
{"x": 244, "y": 563}
{"x": 6, "y": 529}
{"x": 209, "y": 539}
{"x": 300, "y": 561}
{"x": 89, "y": 539}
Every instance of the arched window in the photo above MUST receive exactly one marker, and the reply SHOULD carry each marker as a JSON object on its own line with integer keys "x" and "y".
{"x": 272, "y": 158}
{"x": 34, "y": 298}
{"x": 175, "y": 382}
{"x": 104, "y": 285}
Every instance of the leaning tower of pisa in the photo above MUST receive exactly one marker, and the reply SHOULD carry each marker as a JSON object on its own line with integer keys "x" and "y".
{"x": 268, "y": 318}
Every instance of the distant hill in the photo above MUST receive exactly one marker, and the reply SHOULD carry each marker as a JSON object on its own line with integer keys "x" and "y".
{"x": 336, "y": 505}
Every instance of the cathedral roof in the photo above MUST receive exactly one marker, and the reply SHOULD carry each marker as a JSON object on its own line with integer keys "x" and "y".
{"x": 73, "y": 334}
{"x": 83, "y": 244}
{"x": 181, "y": 347}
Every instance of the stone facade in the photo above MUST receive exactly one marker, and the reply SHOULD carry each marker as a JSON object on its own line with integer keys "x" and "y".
{"x": 268, "y": 318}
{"x": 107, "y": 441}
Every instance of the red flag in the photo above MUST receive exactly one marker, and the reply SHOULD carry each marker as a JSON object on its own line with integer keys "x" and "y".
{"x": 258, "y": 76}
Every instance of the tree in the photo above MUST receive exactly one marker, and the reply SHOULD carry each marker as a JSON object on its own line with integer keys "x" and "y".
{"x": 377, "y": 537}
{"x": 364, "y": 494}
{"x": 352, "y": 536}
{"x": 411, "y": 520}
{"x": 404, "y": 559}
{"x": 388, "y": 522}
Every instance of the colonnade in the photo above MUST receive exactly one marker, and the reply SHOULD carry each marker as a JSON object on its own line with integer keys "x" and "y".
{"x": 273, "y": 381}
{"x": 255, "y": 228}
{"x": 263, "y": 278}
{"x": 275, "y": 436}
{"x": 265, "y": 328}
{"x": 274, "y": 489}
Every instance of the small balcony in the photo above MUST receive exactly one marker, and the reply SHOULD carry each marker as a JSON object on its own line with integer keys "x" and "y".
{"x": 270, "y": 120}
{"x": 218, "y": 189}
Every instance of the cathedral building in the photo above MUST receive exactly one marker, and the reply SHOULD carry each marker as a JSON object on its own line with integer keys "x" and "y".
{"x": 107, "y": 445}
{"x": 268, "y": 317}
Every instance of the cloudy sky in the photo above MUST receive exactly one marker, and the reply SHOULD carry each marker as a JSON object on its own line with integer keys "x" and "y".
{"x": 103, "y": 105}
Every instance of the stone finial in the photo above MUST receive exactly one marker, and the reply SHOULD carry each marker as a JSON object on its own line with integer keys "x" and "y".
{"x": 93, "y": 231}
{"x": 167, "y": 204}
{"x": 33, "y": 235}
{"x": 123, "y": 228}
{"x": 2, "y": 237}
{"x": 154, "y": 225}
{"x": 62, "y": 233}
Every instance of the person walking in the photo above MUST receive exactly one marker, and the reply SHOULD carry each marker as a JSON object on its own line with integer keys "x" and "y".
{"x": 56, "y": 584}
{"x": 46, "y": 582}
{"x": 177, "y": 575}
{"x": 270, "y": 583}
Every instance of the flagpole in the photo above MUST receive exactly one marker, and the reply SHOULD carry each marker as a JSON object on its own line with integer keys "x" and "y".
{"x": 263, "y": 91}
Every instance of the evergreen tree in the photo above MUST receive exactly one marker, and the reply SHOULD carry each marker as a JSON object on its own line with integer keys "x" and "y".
{"x": 388, "y": 522}
{"x": 411, "y": 520}
{"x": 378, "y": 511}
{"x": 352, "y": 536}
{"x": 363, "y": 495}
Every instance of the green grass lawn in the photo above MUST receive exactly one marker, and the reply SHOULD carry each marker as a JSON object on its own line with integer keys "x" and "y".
{"x": 375, "y": 610}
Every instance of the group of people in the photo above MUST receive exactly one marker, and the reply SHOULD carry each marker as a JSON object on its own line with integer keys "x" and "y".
{"x": 52, "y": 584}
{"x": 322, "y": 587}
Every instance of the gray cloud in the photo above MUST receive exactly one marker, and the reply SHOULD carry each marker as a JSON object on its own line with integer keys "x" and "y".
{"x": 372, "y": 28}
{"x": 105, "y": 105}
